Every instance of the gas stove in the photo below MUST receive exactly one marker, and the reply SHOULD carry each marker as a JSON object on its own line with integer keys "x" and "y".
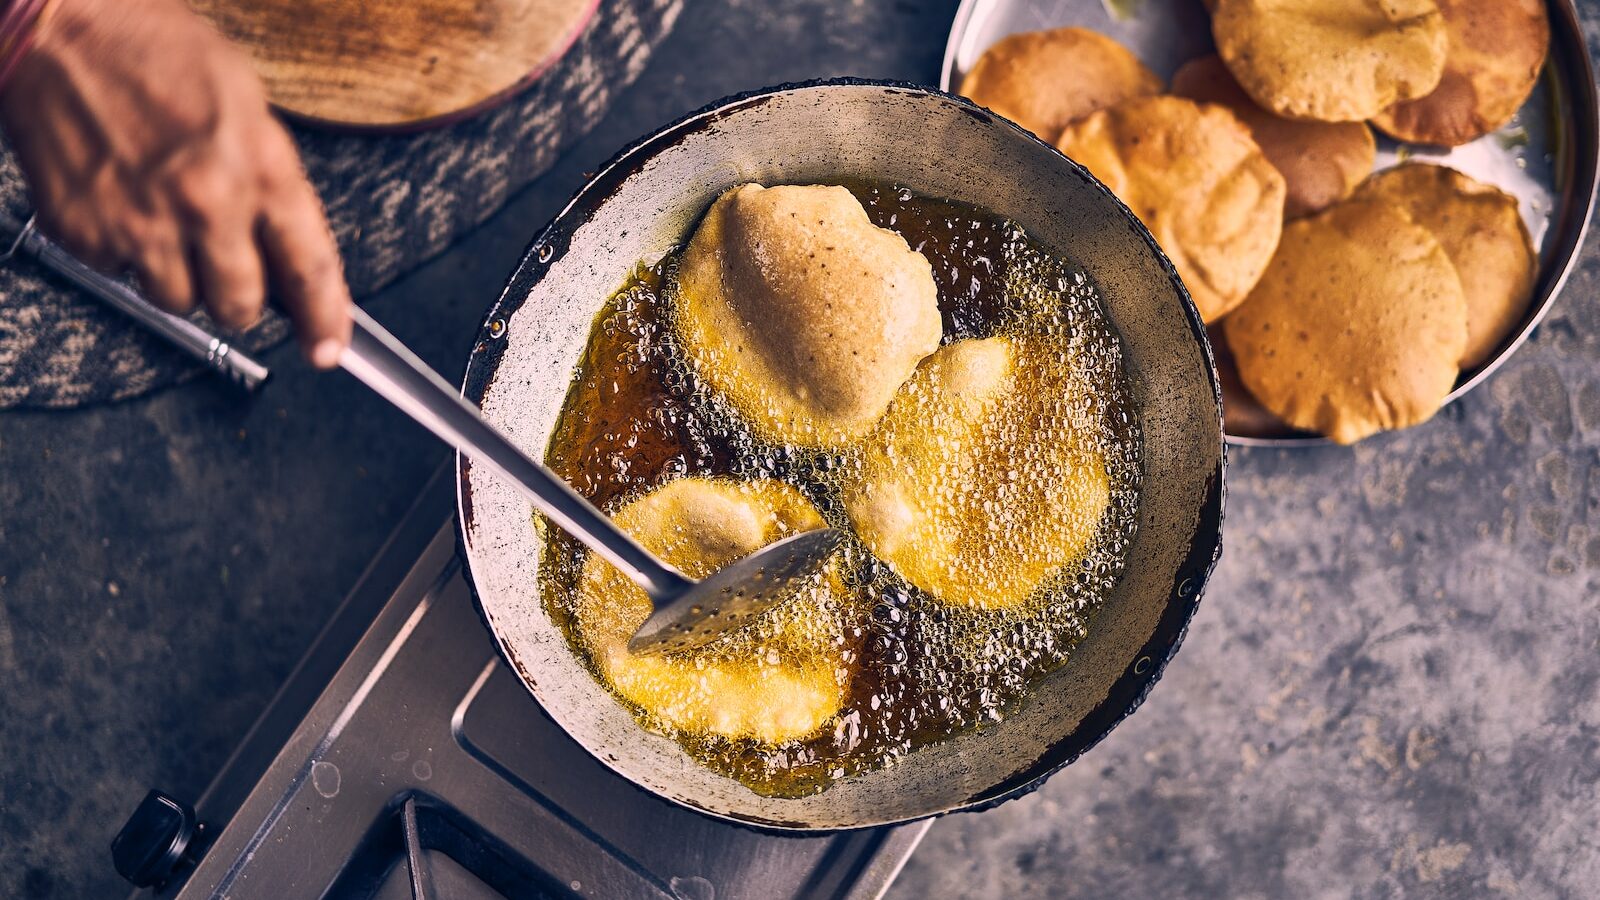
{"x": 403, "y": 759}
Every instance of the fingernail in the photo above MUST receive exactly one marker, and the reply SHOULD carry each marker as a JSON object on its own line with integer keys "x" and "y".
{"x": 325, "y": 354}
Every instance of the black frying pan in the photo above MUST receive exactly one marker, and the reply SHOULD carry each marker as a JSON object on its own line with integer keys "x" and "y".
{"x": 642, "y": 205}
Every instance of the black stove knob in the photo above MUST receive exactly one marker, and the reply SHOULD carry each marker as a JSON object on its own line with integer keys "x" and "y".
{"x": 159, "y": 837}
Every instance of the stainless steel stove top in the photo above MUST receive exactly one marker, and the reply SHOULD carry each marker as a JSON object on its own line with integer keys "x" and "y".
{"x": 402, "y": 759}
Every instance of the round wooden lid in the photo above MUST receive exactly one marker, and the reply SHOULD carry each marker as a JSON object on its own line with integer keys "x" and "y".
{"x": 397, "y": 64}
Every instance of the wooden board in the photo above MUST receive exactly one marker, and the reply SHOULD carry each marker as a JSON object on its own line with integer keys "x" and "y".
{"x": 397, "y": 64}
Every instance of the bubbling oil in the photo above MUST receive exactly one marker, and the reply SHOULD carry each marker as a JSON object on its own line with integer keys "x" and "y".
{"x": 923, "y": 668}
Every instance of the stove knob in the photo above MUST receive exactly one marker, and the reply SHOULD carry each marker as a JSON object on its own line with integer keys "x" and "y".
{"x": 158, "y": 838}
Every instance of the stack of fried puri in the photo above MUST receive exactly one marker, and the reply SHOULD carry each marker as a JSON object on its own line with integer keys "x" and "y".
{"x": 1360, "y": 314}
{"x": 1332, "y": 60}
{"x": 1046, "y": 80}
{"x": 1197, "y": 179}
{"x": 1372, "y": 308}
{"x": 1321, "y": 162}
{"x": 1482, "y": 231}
{"x": 1496, "y": 49}
{"x": 1439, "y": 72}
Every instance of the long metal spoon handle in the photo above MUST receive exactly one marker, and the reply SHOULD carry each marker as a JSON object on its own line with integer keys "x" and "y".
{"x": 382, "y": 363}
{"x": 215, "y": 352}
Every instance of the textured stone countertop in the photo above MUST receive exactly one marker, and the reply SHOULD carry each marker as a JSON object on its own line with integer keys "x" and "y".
{"x": 1392, "y": 687}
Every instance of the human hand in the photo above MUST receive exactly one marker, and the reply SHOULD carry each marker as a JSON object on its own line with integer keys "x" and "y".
{"x": 147, "y": 143}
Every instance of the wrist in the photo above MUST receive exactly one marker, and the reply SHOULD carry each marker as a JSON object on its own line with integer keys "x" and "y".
{"x": 21, "y": 23}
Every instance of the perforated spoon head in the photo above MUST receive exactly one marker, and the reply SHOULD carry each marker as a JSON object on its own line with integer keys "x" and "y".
{"x": 735, "y": 594}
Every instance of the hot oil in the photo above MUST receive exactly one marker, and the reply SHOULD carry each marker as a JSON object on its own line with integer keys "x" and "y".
{"x": 925, "y": 668}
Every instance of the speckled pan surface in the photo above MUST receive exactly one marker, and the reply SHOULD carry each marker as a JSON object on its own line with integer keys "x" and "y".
{"x": 643, "y": 204}
{"x": 1546, "y": 156}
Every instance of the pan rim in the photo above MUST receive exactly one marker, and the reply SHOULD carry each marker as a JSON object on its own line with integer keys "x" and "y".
{"x": 1124, "y": 696}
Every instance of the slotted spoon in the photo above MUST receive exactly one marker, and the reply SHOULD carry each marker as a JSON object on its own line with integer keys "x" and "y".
{"x": 688, "y": 613}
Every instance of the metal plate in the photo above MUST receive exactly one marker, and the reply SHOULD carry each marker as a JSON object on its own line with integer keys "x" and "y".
{"x": 1546, "y": 156}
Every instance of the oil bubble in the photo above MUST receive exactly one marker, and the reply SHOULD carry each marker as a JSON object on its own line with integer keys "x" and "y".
{"x": 915, "y": 668}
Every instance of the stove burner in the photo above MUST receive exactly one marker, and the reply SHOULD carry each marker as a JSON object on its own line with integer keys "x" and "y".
{"x": 404, "y": 760}
{"x": 159, "y": 839}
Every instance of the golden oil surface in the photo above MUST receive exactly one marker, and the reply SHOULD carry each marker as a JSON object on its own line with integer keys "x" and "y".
{"x": 922, "y": 668}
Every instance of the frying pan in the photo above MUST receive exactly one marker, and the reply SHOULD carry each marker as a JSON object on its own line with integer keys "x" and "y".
{"x": 643, "y": 204}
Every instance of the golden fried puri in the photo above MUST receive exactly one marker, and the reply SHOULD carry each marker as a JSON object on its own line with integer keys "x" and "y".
{"x": 1497, "y": 48}
{"x": 1357, "y": 326}
{"x": 1194, "y": 176}
{"x": 1481, "y": 229}
{"x": 973, "y": 487}
{"x": 1043, "y": 80}
{"x": 802, "y": 313}
{"x": 1331, "y": 60}
{"x": 780, "y": 678}
{"x": 1321, "y": 162}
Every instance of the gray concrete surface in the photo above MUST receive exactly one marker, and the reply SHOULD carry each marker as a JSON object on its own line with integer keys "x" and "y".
{"x": 1389, "y": 690}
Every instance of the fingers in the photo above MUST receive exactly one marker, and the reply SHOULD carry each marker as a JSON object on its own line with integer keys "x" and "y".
{"x": 215, "y": 201}
{"x": 148, "y": 144}
{"x": 151, "y": 247}
{"x": 306, "y": 274}
{"x": 219, "y": 218}
{"x": 227, "y": 267}
{"x": 78, "y": 228}
{"x": 163, "y": 270}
